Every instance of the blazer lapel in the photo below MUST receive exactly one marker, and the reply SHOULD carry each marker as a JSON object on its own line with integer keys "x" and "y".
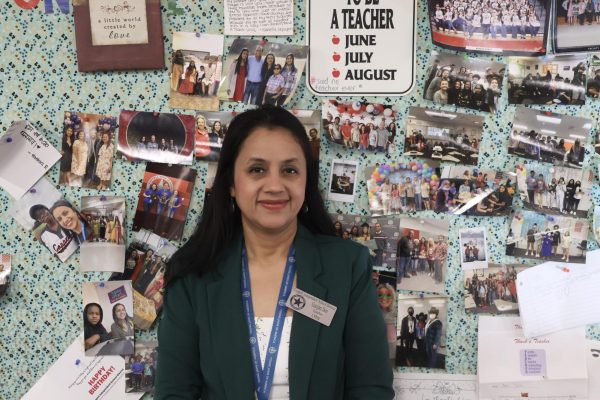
{"x": 305, "y": 331}
{"x": 228, "y": 329}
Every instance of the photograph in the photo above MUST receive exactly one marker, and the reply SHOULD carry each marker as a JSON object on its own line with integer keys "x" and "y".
{"x": 422, "y": 327}
{"x": 473, "y": 248}
{"x": 422, "y": 252}
{"x": 51, "y": 219}
{"x": 261, "y": 72}
{"x": 467, "y": 190}
{"x": 379, "y": 235}
{"x": 492, "y": 290}
{"x": 109, "y": 335}
{"x": 597, "y": 144}
{"x": 593, "y": 78}
{"x": 87, "y": 149}
{"x": 596, "y": 221}
{"x": 196, "y": 69}
{"x": 360, "y": 125}
{"x": 5, "y": 268}
{"x": 159, "y": 137}
{"x": 465, "y": 82}
{"x": 576, "y": 26}
{"x": 555, "y": 190}
{"x": 443, "y": 136}
{"x": 311, "y": 120}
{"x": 140, "y": 368}
{"x": 551, "y": 80}
{"x": 548, "y": 237}
{"x": 164, "y": 200}
{"x": 104, "y": 248}
{"x": 402, "y": 187}
{"x": 211, "y": 128}
{"x": 385, "y": 285}
{"x": 549, "y": 137}
{"x": 502, "y": 27}
{"x": 342, "y": 180}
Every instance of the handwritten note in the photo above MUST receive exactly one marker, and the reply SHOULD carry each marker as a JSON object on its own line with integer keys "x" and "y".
{"x": 265, "y": 17}
{"x": 26, "y": 156}
{"x": 435, "y": 386}
{"x": 117, "y": 22}
{"x": 556, "y": 296}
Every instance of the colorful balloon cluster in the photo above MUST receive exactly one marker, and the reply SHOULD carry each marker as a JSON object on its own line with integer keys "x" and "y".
{"x": 384, "y": 171}
{"x": 107, "y": 124}
{"x": 359, "y": 108}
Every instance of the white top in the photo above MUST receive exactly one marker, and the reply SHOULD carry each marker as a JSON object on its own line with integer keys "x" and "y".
{"x": 280, "y": 389}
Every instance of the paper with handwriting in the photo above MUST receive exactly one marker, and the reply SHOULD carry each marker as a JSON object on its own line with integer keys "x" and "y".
{"x": 556, "y": 296}
{"x": 412, "y": 386}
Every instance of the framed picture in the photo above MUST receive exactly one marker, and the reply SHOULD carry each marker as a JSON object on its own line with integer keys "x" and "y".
{"x": 576, "y": 26}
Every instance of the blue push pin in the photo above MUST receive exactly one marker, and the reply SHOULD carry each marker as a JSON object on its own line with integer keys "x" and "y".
{"x": 197, "y": 34}
{"x": 103, "y": 198}
{"x": 8, "y": 139}
{"x": 32, "y": 190}
{"x": 101, "y": 284}
{"x": 77, "y": 362}
{"x": 421, "y": 295}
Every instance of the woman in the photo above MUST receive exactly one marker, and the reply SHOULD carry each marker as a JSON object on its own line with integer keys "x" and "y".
{"x": 365, "y": 232}
{"x": 289, "y": 73}
{"x": 561, "y": 190}
{"x": 67, "y": 155}
{"x": 265, "y": 73}
{"x": 71, "y": 221}
{"x": 546, "y": 251}
{"x": 93, "y": 330}
{"x": 265, "y": 208}
{"x": 577, "y": 197}
{"x": 570, "y": 196}
{"x": 174, "y": 203}
{"x": 237, "y": 77}
{"x": 122, "y": 327}
{"x": 155, "y": 289}
{"x": 216, "y": 133}
{"x": 105, "y": 161}
{"x": 177, "y": 69}
{"x": 79, "y": 160}
{"x": 440, "y": 255}
{"x": 386, "y": 298}
{"x": 189, "y": 79}
{"x": 199, "y": 86}
{"x": 566, "y": 246}
{"x": 150, "y": 197}
{"x": 555, "y": 239}
{"x": 202, "y": 137}
{"x": 338, "y": 229}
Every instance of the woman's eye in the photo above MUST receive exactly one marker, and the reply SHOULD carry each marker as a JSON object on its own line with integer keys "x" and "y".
{"x": 256, "y": 170}
{"x": 290, "y": 170}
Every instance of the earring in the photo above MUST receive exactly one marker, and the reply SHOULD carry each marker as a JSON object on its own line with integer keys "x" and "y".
{"x": 232, "y": 204}
{"x": 305, "y": 208}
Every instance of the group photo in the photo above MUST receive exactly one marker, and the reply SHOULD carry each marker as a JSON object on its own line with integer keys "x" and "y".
{"x": 211, "y": 128}
{"x": 108, "y": 325}
{"x": 258, "y": 72}
{"x": 5, "y": 269}
{"x": 547, "y": 237}
{"x": 421, "y": 254}
{"x": 87, "y": 150}
{"x": 164, "y": 200}
{"x": 443, "y": 136}
{"x": 140, "y": 367}
{"x": 158, "y": 137}
{"x": 492, "y": 290}
{"x": 311, "y": 120}
{"x": 464, "y": 82}
{"x": 552, "y": 80}
{"x": 402, "y": 187}
{"x": 473, "y": 248}
{"x": 555, "y": 190}
{"x": 549, "y": 137}
{"x": 576, "y": 25}
{"x": 511, "y": 26}
{"x": 360, "y": 125}
{"x": 104, "y": 246}
{"x": 196, "y": 70}
{"x": 342, "y": 180}
{"x": 422, "y": 325}
{"x": 472, "y": 191}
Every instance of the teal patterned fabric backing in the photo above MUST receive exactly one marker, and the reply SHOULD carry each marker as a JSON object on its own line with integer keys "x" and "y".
{"x": 41, "y": 313}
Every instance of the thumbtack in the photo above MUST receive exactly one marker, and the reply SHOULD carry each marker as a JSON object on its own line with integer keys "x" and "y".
{"x": 197, "y": 34}
{"x": 77, "y": 362}
{"x": 102, "y": 198}
{"x": 32, "y": 190}
{"x": 8, "y": 139}
{"x": 101, "y": 284}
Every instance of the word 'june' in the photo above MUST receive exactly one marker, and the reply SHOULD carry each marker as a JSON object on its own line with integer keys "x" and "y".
{"x": 369, "y": 18}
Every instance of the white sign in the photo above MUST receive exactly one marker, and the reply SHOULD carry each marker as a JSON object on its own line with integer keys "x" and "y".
{"x": 264, "y": 17}
{"x": 361, "y": 47}
{"x": 117, "y": 22}
{"x": 26, "y": 156}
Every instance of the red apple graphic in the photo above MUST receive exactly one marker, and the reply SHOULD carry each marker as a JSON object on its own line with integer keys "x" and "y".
{"x": 335, "y": 73}
{"x": 335, "y": 40}
{"x": 336, "y": 57}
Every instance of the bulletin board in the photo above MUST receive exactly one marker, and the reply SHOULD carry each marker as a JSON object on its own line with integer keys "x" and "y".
{"x": 41, "y": 314}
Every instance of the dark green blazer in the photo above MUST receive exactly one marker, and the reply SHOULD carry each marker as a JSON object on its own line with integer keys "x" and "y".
{"x": 203, "y": 339}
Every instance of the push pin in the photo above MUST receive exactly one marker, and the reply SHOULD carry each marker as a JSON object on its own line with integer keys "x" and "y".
{"x": 32, "y": 190}
{"x": 77, "y": 362}
{"x": 421, "y": 295}
{"x": 103, "y": 198}
{"x": 197, "y": 34}
{"x": 101, "y": 284}
{"x": 8, "y": 139}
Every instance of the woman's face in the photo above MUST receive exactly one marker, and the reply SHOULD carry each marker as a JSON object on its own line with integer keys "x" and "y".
{"x": 80, "y": 135}
{"x": 69, "y": 132}
{"x": 66, "y": 217}
{"x": 338, "y": 226}
{"x": 244, "y": 54}
{"x": 154, "y": 187}
{"x": 93, "y": 315}
{"x": 289, "y": 60}
{"x": 217, "y": 126}
{"x": 385, "y": 297}
{"x": 269, "y": 186}
{"x": 120, "y": 312}
{"x": 270, "y": 59}
{"x": 201, "y": 123}
{"x": 105, "y": 138}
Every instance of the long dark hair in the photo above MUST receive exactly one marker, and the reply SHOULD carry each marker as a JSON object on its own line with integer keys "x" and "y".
{"x": 239, "y": 60}
{"x": 219, "y": 223}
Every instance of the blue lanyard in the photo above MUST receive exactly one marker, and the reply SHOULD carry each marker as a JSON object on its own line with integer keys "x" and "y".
{"x": 263, "y": 378}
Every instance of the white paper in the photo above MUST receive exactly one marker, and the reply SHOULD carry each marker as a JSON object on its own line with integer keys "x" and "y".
{"x": 410, "y": 386}
{"x": 68, "y": 380}
{"x": 351, "y": 47}
{"x": 264, "y": 17}
{"x": 118, "y": 22}
{"x": 26, "y": 156}
{"x": 503, "y": 375}
{"x": 593, "y": 364}
{"x": 555, "y": 296}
